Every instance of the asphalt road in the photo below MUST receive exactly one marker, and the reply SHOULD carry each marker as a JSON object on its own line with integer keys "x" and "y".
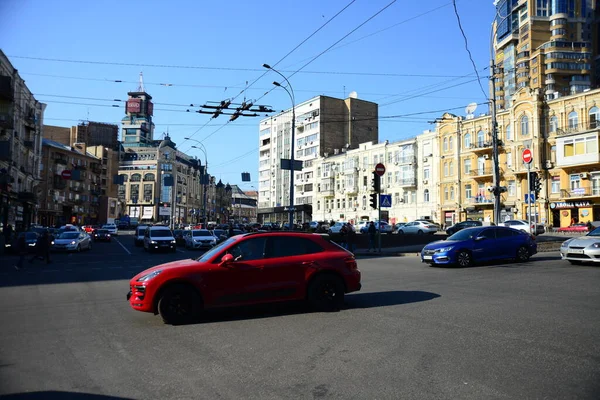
{"x": 504, "y": 331}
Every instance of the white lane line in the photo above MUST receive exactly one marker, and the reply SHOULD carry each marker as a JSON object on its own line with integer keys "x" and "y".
{"x": 121, "y": 244}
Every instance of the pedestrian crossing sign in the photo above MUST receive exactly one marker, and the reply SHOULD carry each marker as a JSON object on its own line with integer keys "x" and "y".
{"x": 385, "y": 200}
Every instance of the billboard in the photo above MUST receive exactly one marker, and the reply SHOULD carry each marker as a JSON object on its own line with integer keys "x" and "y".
{"x": 150, "y": 108}
{"x": 148, "y": 213}
{"x": 134, "y": 106}
{"x": 164, "y": 211}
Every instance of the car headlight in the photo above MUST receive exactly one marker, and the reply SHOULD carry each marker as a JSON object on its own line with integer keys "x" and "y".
{"x": 147, "y": 277}
{"x": 52, "y": 242}
{"x": 596, "y": 245}
{"x": 153, "y": 242}
{"x": 444, "y": 249}
{"x": 566, "y": 243}
{"x": 173, "y": 241}
{"x": 73, "y": 242}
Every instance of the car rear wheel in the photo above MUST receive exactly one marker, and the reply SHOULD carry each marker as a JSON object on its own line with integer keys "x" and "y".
{"x": 464, "y": 259}
{"x": 400, "y": 232}
{"x": 522, "y": 254}
{"x": 179, "y": 304}
{"x": 326, "y": 293}
{"x": 419, "y": 232}
{"x": 78, "y": 248}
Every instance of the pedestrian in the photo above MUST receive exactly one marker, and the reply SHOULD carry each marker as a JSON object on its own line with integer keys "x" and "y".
{"x": 351, "y": 238}
{"x": 43, "y": 248}
{"x": 372, "y": 231}
{"x": 7, "y": 233}
{"x": 230, "y": 230}
{"x": 21, "y": 251}
{"x": 343, "y": 233}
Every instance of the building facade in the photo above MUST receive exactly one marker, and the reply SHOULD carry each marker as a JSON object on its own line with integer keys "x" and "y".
{"x": 244, "y": 205}
{"x": 546, "y": 45}
{"x": 21, "y": 126}
{"x": 324, "y": 126}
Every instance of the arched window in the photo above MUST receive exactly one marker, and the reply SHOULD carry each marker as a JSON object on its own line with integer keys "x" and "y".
{"x": 426, "y": 196}
{"x": 364, "y": 201}
{"x": 451, "y": 168}
{"x": 149, "y": 177}
{"x": 136, "y": 178}
{"x": 467, "y": 141}
{"x": 124, "y": 177}
{"x": 446, "y": 193}
{"x": 573, "y": 120}
{"x": 445, "y": 144}
{"x": 553, "y": 124}
{"x": 451, "y": 192}
{"x": 524, "y": 125}
{"x": 508, "y": 132}
{"x": 594, "y": 117}
{"x": 450, "y": 142}
{"x": 480, "y": 138}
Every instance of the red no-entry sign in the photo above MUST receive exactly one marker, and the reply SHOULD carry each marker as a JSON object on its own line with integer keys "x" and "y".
{"x": 66, "y": 174}
{"x": 380, "y": 169}
{"x": 527, "y": 156}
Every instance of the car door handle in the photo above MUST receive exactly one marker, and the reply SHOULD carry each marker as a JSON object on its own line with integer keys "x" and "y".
{"x": 308, "y": 262}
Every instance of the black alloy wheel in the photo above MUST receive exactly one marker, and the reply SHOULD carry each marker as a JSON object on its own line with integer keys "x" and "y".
{"x": 523, "y": 254}
{"x": 179, "y": 304}
{"x": 326, "y": 293}
{"x": 464, "y": 259}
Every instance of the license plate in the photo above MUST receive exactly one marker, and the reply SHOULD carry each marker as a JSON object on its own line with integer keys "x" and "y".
{"x": 427, "y": 257}
{"x": 576, "y": 251}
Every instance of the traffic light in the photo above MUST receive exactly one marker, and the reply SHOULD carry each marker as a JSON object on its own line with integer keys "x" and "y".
{"x": 376, "y": 183}
{"x": 373, "y": 200}
{"x": 533, "y": 176}
{"x": 538, "y": 186}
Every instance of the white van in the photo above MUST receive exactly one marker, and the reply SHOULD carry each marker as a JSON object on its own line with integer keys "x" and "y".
{"x": 159, "y": 238}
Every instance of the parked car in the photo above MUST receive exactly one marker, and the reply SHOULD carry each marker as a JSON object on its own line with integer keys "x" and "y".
{"x": 200, "y": 239}
{"x": 485, "y": 243}
{"x": 398, "y": 225}
{"x": 31, "y": 239}
{"x": 336, "y": 228}
{"x": 522, "y": 225}
{"x": 583, "y": 249}
{"x": 72, "y": 241}
{"x": 419, "y": 227}
{"x": 101, "y": 235}
{"x": 112, "y": 228}
{"x": 383, "y": 226}
{"x": 248, "y": 269}
{"x": 220, "y": 234}
{"x": 159, "y": 238}
{"x": 462, "y": 225}
{"x": 138, "y": 235}
{"x": 575, "y": 228}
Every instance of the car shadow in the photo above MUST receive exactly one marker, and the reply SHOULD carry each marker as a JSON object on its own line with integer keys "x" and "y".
{"x": 351, "y": 301}
{"x": 59, "y": 395}
{"x": 505, "y": 264}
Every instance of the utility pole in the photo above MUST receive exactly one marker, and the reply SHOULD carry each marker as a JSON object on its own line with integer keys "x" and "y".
{"x": 495, "y": 162}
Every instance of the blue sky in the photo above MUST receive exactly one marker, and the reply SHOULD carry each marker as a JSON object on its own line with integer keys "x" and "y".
{"x": 376, "y": 61}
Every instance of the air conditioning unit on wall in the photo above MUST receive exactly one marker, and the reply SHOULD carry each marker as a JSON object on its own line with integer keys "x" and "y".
{"x": 584, "y": 175}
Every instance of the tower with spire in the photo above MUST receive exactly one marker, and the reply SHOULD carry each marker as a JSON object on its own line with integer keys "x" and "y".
{"x": 137, "y": 128}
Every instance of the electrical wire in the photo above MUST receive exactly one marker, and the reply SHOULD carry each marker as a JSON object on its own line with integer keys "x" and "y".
{"x": 467, "y": 48}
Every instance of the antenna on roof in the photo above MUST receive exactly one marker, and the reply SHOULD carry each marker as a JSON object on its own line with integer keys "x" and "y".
{"x": 141, "y": 85}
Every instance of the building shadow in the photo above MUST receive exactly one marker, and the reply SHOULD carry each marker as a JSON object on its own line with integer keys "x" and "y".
{"x": 59, "y": 395}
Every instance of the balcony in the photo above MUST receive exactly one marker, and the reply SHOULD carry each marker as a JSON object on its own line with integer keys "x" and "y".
{"x": 482, "y": 146}
{"x": 407, "y": 182}
{"x": 579, "y": 193}
{"x": 6, "y": 88}
{"x": 327, "y": 191}
{"x": 478, "y": 173}
{"x": 481, "y": 200}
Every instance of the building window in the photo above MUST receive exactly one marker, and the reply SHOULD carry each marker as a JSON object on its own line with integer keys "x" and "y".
{"x": 480, "y": 138}
{"x": 524, "y": 125}
{"x": 364, "y": 202}
{"x": 396, "y": 198}
{"x": 467, "y": 166}
{"x": 451, "y": 143}
{"x": 594, "y": 117}
{"x": 467, "y": 141}
{"x": 445, "y": 169}
{"x": 587, "y": 145}
{"x": 512, "y": 188}
{"x": 573, "y": 120}
{"x": 405, "y": 197}
{"x": 426, "y": 173}
{"x": 451, "y": 192}
{"x": 445, "y": 144}
{"x": 509, "y": 162}
{"x": 575, "y": 181}
{"x": 555, "y": 187}
{"x": 451, "y": 168}
{"x": 508, "y": 132}
{"x": 553, "y": 124}
{"x": 445, "y": 193}
{"x": 426, "y": 196}
{"x": 468, "y": 191}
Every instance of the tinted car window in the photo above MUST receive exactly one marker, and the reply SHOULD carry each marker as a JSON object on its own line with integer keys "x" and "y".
{"x": 488, "y": 233}
{"x": 160, "y": 233}
{"x": 504, "y": 233}
{"x": 201, "y": 233}
{"x": 100, "y": 231}
{"x": 248, "y": 250}
{"x": 286, "y": 246}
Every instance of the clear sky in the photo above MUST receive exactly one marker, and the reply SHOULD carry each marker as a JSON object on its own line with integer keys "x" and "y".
{"x": 381, "y": 61}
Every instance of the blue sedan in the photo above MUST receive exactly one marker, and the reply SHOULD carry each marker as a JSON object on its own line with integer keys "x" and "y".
{"x": 485, "y": 243}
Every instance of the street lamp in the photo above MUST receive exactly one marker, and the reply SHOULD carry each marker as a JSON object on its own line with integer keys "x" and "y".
{"x": 290, "y": 92}
{"x": 205, "y": 177}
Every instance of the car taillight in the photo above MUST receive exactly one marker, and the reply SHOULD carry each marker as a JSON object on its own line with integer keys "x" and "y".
{"x": 532, "y": 237}
{"x": 351, "y": 263}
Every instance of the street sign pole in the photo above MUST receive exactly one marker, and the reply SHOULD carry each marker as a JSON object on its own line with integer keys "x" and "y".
{"x": 379, "y": 220}
{"x": 529, "y": 195}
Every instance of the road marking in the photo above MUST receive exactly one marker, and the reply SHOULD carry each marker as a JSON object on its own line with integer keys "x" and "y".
{"x": 181, "y": 251}
{"x": 121, "y": 244}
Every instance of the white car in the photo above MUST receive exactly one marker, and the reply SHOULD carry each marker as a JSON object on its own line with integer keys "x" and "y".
{"x": 199, "y": 239}
{"x": 138, "y": 238}
{"x": 111, "y": 228}
{"x": 419, "y": 227}
{"x": 159, "y": 238}
{"x": 520, "y": 225}
{"x": 384, "y": 226}
{"x": 72, "y": 241}
{"x": 337, "y": 227}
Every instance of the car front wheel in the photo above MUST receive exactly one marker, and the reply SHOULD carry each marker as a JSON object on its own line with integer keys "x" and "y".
{"x": 464, "y": 259}
{"x": 326, "y": 293}
{"x": 522, "y": 254}
{"x": 179, "y": 304}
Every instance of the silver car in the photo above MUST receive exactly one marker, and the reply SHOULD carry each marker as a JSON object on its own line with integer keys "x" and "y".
{"x": 582, "y": 249}
{"x": 419, "y": 227}
{"x": 199, "y": 239}
{"x": 72, "y": 241}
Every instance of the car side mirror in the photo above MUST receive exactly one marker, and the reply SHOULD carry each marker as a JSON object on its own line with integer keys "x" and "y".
{"x": 225, "y": 260}
{"x": 479, "y": 238}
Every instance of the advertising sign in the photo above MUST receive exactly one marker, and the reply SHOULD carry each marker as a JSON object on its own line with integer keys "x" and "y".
{"x": 134, "y": 211}
{"x": 148, "y": 213}
{"x": 164, "y": 211}
{"x": 150, "y": 108}
{"x": 134, "y": 105}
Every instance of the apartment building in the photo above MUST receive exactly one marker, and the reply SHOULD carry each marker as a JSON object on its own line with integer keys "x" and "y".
{"x": 547, "y": 45}
{"x": 324, "y": 126}
{"x": 21, "y": 126}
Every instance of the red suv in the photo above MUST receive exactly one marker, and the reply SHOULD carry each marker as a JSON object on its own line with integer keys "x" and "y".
{"x": 248, "y": 269}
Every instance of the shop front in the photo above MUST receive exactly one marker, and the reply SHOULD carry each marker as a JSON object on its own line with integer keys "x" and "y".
{"x": 566, "y": 213}
{"x": 302, "y": 213}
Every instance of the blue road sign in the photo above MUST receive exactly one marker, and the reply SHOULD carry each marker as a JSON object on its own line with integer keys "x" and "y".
{"x": 385, "y": 200}
{"x": 527, "y": 198}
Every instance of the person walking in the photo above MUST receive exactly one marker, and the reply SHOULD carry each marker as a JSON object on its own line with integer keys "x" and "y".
{"x": 350, "y": 238}
{"x": 372, "y": 231}
{"x": 21, "y": 251}
{"x": 343, "y": 235}
{"x": 43, "y": 248}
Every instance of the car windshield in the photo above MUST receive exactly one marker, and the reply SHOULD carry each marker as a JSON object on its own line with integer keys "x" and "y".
{"x": 464, "y": 234}
{"x": 218, "y": 232}
{"x": 108, "y": 226}
{"x": 201, "y": 233}
{"x": 160, "y": 233}
{"x": 595, "y": 232}
{"x": 210, "y": 254}
{"x": 69, "y": 235}
{"x": 102, "y": 231}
